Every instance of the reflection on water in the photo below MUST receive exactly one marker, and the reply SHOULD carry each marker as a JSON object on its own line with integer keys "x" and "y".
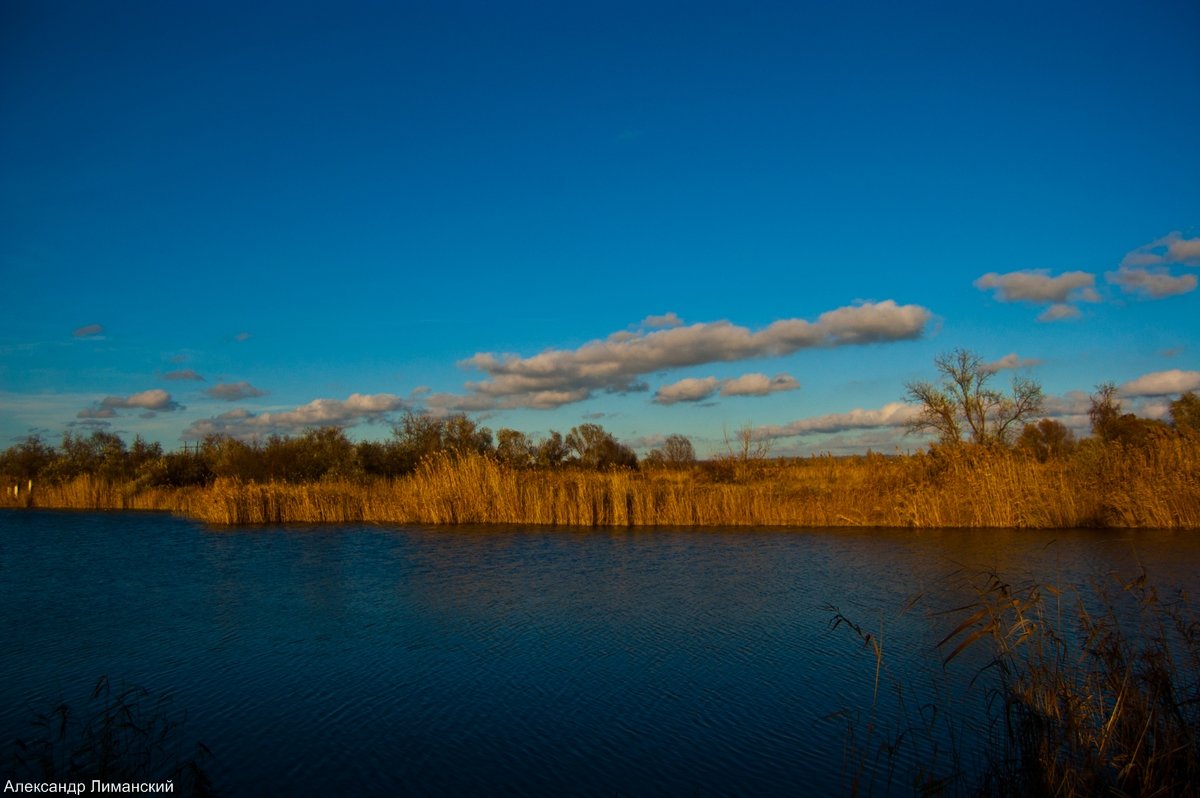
{"x": 420, "y": 660}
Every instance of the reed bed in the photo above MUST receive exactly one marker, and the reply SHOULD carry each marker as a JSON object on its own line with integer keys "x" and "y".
{"x": 1078, "y": 692}
{"x": 1156, "y": 485}
{"x": 1107, "y": 705}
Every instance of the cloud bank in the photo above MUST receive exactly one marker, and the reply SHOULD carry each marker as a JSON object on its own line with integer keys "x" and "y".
{"x": 891, "y": 415}
{"x": 1162, "y": 383}
{"x": 616, "y": 364}
{"x": 243, "y": 424}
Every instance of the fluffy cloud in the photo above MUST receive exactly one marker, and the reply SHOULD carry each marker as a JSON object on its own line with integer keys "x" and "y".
{"x": 1151, "y": 283}
{"x": 243, "y": 424}
{"x": 233, "y": 391}
{"x": 1036, "y": 285}
{"x": 184, "y": 374}
{"x": 696, "y": 389}
{"x": 1058, "y": 312}
{"x": 758, "y": 385}
{"x": 691, "y": 389}
{"x": 893, "y": 414}
{"x": 1010, "y": 361}
{"x": 615, "y": 364}
{"x": 1171, "y": 248}
{"x": 1163, "y": 383}
{"x": 154, "y": 400}
{"x": 88, "y": 330}
{"x": 665, "y": 320}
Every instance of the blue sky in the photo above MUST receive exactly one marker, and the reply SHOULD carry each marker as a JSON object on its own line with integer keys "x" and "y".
{"x": 661, "y": 217}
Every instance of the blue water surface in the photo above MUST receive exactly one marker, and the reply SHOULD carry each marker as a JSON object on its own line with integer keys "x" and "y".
{"x": 428, "y": 661}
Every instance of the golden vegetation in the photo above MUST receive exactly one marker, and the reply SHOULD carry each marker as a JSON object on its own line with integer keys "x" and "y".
{"x": 1156, "y": 484}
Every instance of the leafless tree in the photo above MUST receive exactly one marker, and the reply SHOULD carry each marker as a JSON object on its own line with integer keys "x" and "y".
{"x": 962, "y": 404}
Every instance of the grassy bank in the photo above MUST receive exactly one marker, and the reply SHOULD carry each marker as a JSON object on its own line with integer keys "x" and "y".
{"x": 1156, "y": 485}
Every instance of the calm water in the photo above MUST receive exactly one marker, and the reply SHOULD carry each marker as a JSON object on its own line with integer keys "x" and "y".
{"x": 380, "y": 660}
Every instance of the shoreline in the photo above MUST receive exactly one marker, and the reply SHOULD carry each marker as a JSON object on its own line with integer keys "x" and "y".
{"x": 1119, "y": 488}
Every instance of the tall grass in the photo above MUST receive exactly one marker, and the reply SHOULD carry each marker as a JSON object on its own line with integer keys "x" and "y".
{"x": 1081, "y": 694}
{"x": 1157, "y": 485}
{"x": 125, "y": 736}
{"x": 1107, "y": 706}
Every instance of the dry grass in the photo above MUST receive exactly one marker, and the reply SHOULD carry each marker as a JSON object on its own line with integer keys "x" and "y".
{"x": 1080, "y": 693}
{"x": 1107, "y": 706}
{"x": 1151, "y": 486}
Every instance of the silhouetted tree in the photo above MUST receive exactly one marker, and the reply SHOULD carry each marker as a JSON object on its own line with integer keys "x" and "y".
{"x": 513, "y": 448}
{"x": 678, "y": 450}
{"x": 27, "y": 459}
{"x": 1048, "y": 439}
{"x": 1110, "y": 425}
{"x": 551, "y": 451}
{"x": 596, "y": 448}
{"x": 1185, "y": 413}
{"x": 461, "y": 435}
{"x": 1105, "y": 411}
{"x": 961, "y": 402}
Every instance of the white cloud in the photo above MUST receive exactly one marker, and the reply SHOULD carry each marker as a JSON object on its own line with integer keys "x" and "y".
{"x": 1059, "y": 312}
{"x": 557, "y": 377}
{"x": 893, "y": 414}
{"x": 696, "y": 389}
{"x": 1151, "y": 283}
{"x": 758, "y": 385}
{"x": 691, "y": 389}
{"x": 666, "y": 320}
{"x": 1010, "y": 361}
{"x": 1163, "y": 383}
{"x": 155, "y": 400}
{"x": 243, "y": 424}
{"x": 233, "y": 391}
{"x": 1184, "y": 250}
{"x": 1171, "y": 248}
{"x": 1036, "y": 285}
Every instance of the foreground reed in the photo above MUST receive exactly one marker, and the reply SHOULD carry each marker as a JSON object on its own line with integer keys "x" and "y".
{"x": 1082, "y": 693}
{"x": 122, "y": 738}
{"x": 1112, "y": 486}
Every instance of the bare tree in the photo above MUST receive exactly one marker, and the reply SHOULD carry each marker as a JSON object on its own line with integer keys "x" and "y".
{"x": 678, "y": 450}
{"x": 962, "y": 403}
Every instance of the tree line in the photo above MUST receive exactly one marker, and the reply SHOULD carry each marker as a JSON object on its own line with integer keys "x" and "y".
{"x": 962, "y": 407}
{"x": 325, "y": 453}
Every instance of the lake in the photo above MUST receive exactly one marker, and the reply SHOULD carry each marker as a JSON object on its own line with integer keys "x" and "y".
{"x": 408, "y": 660}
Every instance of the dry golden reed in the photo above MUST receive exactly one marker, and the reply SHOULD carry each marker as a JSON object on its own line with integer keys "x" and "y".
{"x": 1156, "y": 485}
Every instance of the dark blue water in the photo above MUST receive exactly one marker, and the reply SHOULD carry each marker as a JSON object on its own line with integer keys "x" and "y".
{"x": 377, "y": 660}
